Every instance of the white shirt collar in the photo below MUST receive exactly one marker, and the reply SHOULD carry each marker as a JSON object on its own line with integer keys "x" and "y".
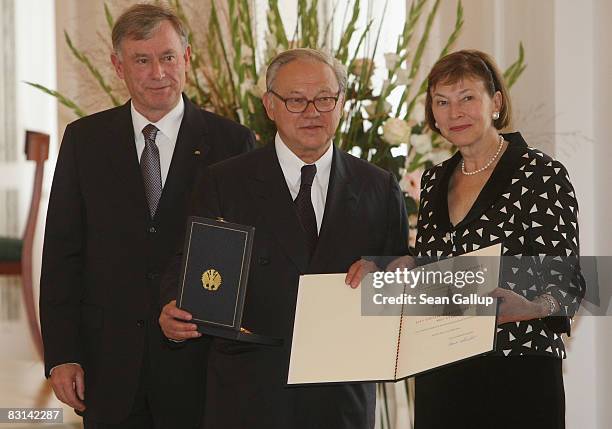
{"x": 169, "y": 125}
{"x": 292, "y": 165}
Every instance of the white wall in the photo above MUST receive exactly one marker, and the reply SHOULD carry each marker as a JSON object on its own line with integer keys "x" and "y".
{"x": 497, "y": 27}
{"x": 602, "y": 114}
{"x": 35, "y": 61}
{"x": 563, "y": 106}
{"x": 574, "y": 146}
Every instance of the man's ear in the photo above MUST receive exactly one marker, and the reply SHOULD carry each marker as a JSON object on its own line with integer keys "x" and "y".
{"x": 117, "y": 64}
{"x": 267, "y": 102}
{"x": 187, "y": 57}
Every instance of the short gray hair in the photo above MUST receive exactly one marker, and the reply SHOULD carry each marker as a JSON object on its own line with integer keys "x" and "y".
{"x": 140, "y": 21}
{"x": 310, "y": 55}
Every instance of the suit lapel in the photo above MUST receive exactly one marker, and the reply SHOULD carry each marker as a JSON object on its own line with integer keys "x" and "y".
{"x": 124, "y": 158}
{"x": 273, "y": 200}
{"x": 190, "y": 148}
{"x": 342, "y": 198}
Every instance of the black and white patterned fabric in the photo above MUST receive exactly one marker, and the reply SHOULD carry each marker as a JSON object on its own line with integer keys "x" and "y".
{"x": 529, "y": 206}
{"x": 151, "y": 168}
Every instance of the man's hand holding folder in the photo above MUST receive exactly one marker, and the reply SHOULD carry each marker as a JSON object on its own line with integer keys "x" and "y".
{"x": 175, "y": 323}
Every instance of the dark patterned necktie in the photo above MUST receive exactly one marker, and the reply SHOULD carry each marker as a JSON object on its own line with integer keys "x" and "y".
{"x": 305, "y": 210}
{"x": 150, "y": 168}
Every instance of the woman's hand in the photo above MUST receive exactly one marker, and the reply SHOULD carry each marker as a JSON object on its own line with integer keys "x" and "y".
{"x": 403, "y": 262}
{"x": 515, "y": 308}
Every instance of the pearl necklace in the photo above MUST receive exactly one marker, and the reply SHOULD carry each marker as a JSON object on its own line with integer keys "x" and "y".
{"x": 488, "y": 164}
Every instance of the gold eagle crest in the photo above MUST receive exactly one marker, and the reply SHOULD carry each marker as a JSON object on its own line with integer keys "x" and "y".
{"x": 211, "y": 279}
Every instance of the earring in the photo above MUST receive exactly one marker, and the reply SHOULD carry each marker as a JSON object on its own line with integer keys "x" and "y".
{"x": 437, "y": 125}
{"x": 495, "y": 116}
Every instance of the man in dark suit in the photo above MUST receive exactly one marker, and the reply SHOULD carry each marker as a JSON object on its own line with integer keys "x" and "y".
{"x": 117, "y": 211}
{"x": 316, "y": 209}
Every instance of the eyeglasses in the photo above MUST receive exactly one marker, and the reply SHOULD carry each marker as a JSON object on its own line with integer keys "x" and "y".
{"x": 300, "y": 104}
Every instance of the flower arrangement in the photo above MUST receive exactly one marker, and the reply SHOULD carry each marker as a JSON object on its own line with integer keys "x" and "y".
{"x": 227, "y": 76}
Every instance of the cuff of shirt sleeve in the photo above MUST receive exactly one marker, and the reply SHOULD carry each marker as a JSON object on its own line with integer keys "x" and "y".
{"x": 67, "y": 363}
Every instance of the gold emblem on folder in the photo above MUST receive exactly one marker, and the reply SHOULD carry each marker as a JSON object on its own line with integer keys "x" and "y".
{"x": 211, "y": 279}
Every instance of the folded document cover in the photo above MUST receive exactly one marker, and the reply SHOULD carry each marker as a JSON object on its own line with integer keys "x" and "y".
{"x": 214, "y": 276}
{"x": 334, "y": 342}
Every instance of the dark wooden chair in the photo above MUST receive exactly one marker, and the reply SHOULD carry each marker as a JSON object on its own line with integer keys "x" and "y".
{"x": 16, "y": 254}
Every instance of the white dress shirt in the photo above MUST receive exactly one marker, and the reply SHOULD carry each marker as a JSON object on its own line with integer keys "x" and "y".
{"x": 292, "y": 170}
{"x": 165, "y": 139}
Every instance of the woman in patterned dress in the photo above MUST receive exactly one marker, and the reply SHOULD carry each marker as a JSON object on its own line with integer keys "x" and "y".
{"x": 497, "y": 189}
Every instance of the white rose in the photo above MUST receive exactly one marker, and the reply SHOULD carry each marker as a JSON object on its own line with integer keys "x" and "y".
{"x": 385, "y": 85}
{"x": 396, "y": 131}
{"x": 371, "y": 109}
{"x": 418, "y": 113}
{"x": 391, "y": 60}
{"x": 421, "y": 142}
{"x": 402, "y": 77}
{"x": 362, "y": 65}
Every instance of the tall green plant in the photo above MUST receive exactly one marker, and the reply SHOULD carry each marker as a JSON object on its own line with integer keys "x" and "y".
{"x": 226, "y": 76}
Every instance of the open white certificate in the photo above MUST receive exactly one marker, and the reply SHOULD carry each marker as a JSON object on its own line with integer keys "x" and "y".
{"x": 334, "y": 342}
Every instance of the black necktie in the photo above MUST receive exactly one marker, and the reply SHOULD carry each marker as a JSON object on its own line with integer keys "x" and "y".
{"x": 305, "y": 210}
{"x": 150, "y": 168}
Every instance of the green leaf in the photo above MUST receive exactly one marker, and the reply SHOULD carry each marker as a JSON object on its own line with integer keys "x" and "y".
{"x": 449, "y": 43}
{"x": 228, "y": 69}
{"x": 109, "y": 17}
{"x": 355, "y": 104}
{"x": 60, "y": 97}
{"x": 347, "y": 34}
{"x": 416, "y": 61}
{"x": 276, "y": 23}
{"x": 516, "y": 69}
{"x": 414, "y": 16}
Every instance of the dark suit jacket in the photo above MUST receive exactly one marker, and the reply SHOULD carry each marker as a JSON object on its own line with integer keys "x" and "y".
{"x": 364, "y": 215}
{"x": 103, "y": 256}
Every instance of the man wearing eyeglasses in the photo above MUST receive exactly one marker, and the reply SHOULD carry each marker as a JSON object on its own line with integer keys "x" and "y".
{"x": 316, "y": 209}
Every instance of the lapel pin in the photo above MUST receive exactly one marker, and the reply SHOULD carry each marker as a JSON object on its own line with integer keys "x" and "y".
{"x": 197, "y": 152}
